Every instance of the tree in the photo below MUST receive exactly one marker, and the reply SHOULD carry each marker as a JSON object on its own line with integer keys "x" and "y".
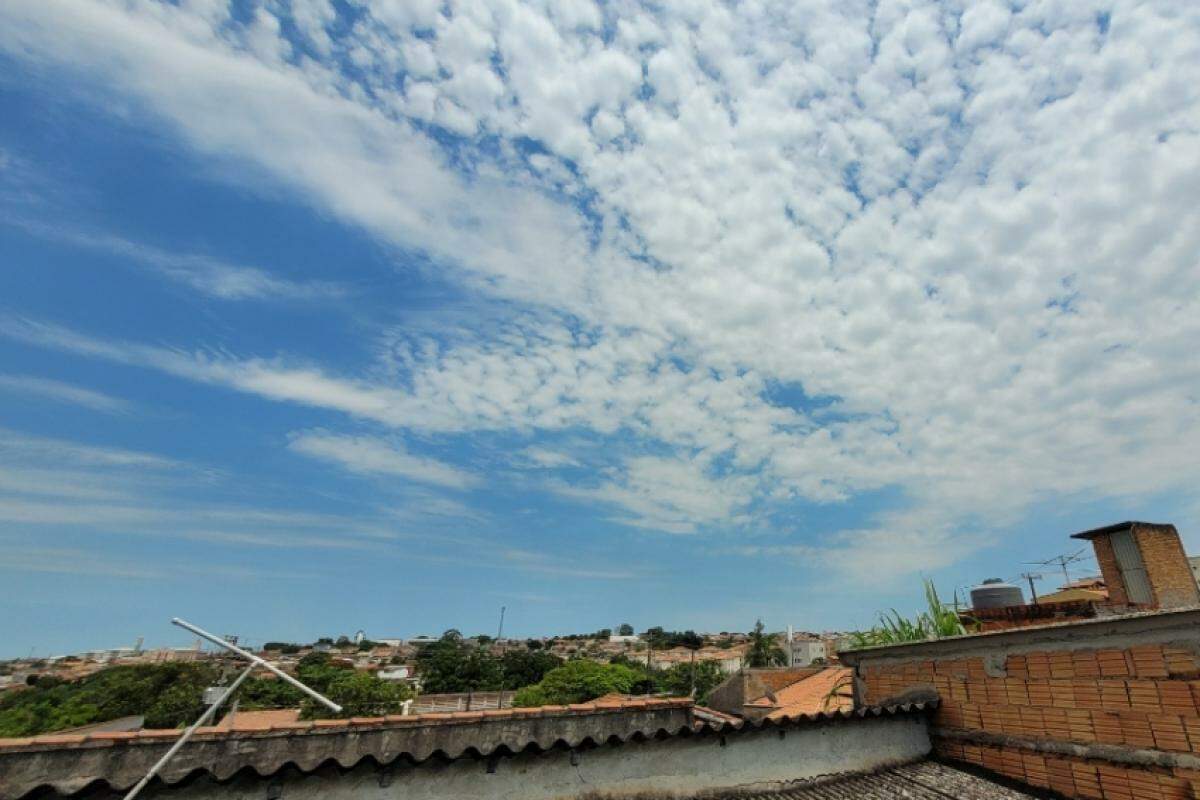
{"x": 625, "y": 630}
{"x": 578, "y": 682}
{"x": 764, "y": 650}
{"x": 178, "y": 706}
{"x": 452, "y": 665}
{"x": 703, "y": 676}
{"x": 526, "y": 668}
{"x": 360, "y": 695}
{"x": 319, "y": 671}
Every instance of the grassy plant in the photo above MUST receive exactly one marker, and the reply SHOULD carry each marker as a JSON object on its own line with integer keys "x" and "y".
{"x": 937, "y": 622}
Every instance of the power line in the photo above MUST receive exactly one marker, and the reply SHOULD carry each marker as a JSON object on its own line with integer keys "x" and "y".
{"x": 1061, "y": 561}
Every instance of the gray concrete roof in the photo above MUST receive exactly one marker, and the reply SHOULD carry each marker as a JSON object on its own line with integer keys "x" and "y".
{"x": 928, "y": 780}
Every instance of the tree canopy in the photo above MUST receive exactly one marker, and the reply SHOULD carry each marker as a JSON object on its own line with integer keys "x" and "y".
{"x": 764, "y": 650}
{"x": 172, "y": 695}
{"x": 578, "y": 682}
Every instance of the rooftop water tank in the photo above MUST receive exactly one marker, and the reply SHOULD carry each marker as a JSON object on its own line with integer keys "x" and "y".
{"x": 995, "y": 593}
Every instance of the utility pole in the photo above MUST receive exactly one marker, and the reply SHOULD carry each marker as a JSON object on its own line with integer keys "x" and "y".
{"x": 1031, "y": 577}
{"x": 500, "y": 631}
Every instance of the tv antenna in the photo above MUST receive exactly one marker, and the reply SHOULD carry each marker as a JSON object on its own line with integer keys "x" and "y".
{"x": 1031, "y": 577}
{"x": 1061, "y": 562}
{"x": 255, "y": 663}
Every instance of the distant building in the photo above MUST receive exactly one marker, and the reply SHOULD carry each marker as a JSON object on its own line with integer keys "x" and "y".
{"x": 1195, "y": 562}
{"x": 617, "y": 639}
{"x": 806, "y": 651}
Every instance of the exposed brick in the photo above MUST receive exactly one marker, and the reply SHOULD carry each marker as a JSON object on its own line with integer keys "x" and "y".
{"x": 1143, "y": 696}
{"x": 1062, "y": 693}
{"x": 1176, "y": 697}
{"x": 1039, "y": 665}
{"x": 1114, "y": 695}
{"x": 1035, "y": 770}
{"x": 1017, "y": 693}
{"x": 1080, "y": 723}
{"x": 1087, "y": 694}
{"x": 1149, "y": 661}
{"x": 1169, "y": 733}
{"x": 1062, "y": 665}
{"x": 1062, "y": 778}
{"x": 1173, "y": 788}
{"x": 1113, "y": 663}
{"x": 1135, "y": 729}
{"x": 1056, "y": 724}
{"x": 1087, "y": 780}
{"x": 1114, "y": 782}
{"x": 1084, "y": 664}
{"x": 1167, "y": 566}
{"x": 1181, "y": 662}
{"x": 1107, "y": 727}
{"x": 1016, "y": 667}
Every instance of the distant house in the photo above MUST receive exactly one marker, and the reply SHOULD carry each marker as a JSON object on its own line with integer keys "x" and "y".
{"x": 401, "y": 673}
{"x": 806, "y": 651}
{"x": 616, "y": 639}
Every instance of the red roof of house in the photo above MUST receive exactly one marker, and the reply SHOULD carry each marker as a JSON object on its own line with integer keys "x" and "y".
{"x": 814, "y": 694}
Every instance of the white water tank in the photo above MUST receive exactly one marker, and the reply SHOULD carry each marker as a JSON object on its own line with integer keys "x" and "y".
{"x": 995, "y": 593}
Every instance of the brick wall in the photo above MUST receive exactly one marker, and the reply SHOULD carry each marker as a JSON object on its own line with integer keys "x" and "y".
{"x": 1167, "y": 565}
{"x": 1167, "y": 568}
{"x": 1107, "y": 560}
{"x": 1081, "y": 718}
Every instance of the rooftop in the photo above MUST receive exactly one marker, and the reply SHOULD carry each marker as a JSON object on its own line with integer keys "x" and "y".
{"x": 925, "y": 780}
{"x": 1116, "y": 527}
{"x": 66, "y": 764}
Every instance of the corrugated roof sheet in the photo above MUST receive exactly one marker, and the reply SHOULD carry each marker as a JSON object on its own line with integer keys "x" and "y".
{"x": 927, "y": 780}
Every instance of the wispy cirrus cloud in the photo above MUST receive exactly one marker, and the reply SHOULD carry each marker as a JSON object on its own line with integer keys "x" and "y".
{"x": 205, "y": 274}
{"x": 63, "y": 393}
{"x": 370, "y": 456}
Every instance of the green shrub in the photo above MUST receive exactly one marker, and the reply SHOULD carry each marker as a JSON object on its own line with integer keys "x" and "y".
{"x": 578, "y": 682}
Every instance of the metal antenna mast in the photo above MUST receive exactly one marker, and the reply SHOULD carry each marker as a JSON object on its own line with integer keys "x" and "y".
{"x": 500, "y": 631}
{"x": 1062, "y": 562}
{"x": 255, "y": 663}
{"x": 1031, "y": 577}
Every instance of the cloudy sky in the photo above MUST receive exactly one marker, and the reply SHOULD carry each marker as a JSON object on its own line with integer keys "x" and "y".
{"x": 326, "y": 315}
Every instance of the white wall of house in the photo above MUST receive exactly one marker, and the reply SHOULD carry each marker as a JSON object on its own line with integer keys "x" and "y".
{"x": 806, "y": 651}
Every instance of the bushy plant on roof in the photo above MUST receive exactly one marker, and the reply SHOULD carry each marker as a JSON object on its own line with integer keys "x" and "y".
{"x": 937, "y": 622}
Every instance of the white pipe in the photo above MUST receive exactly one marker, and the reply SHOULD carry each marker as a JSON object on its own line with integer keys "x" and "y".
{"x": 320, "y": 698}
{"x": 182, "y": 740}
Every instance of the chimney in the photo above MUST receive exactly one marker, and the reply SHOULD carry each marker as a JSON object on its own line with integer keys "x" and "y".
{"x": 1144, "y": 565}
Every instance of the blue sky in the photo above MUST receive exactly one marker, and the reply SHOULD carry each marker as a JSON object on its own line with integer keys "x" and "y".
{"x": 319, "y": 316}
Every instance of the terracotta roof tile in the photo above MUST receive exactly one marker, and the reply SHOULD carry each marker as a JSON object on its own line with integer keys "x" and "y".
{"x": 812, "y": 695}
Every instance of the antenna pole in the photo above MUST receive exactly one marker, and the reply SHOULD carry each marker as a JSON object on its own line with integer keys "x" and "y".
{"x": 1031, "y": 577}
{"x": 320, "y": 698}
{"x": 182, "y": 740}
{"x": 500, "y": 631}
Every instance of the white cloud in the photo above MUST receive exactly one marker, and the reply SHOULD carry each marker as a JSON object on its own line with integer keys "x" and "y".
{"x": 975, "y": 235}
{"x": 546, "y": 458}
{"x": 204, "y": 274}
{"x": 369, "y": 456}
{"x": 63, "y": 393}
